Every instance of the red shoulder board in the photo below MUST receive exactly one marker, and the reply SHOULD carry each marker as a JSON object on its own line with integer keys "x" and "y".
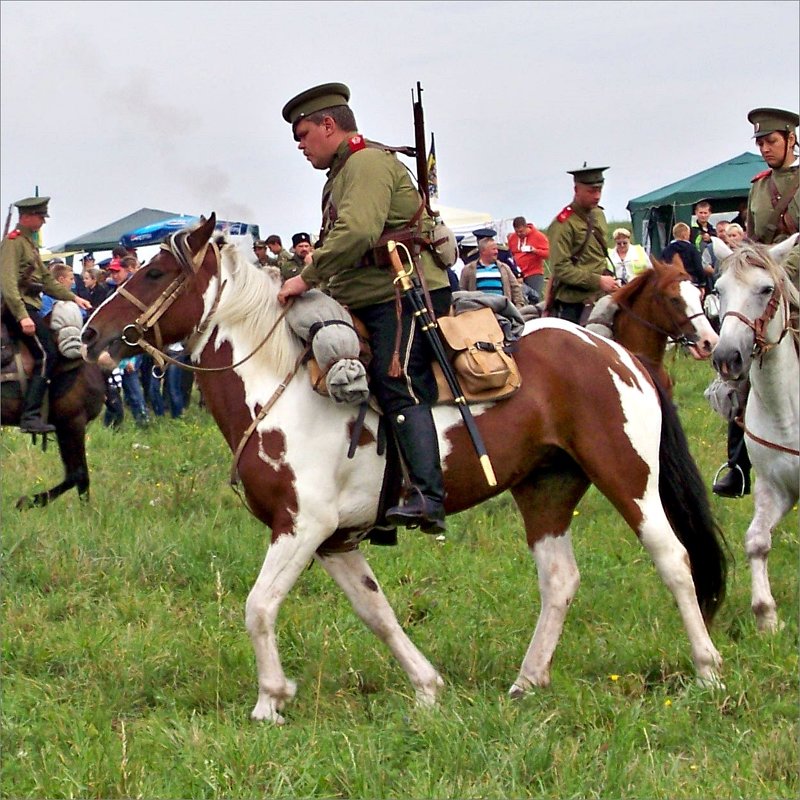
{"x": 761, "y": 175}
{"x": 356, "y": 143}
{"x": 13, "y": 234}
{"x": 565, "y": 214}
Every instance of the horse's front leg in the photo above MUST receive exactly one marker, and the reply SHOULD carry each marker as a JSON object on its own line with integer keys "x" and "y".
{"x": 358, "y": 582}
{"x": 286, "y": 558}
{"x": 757, "y": 544}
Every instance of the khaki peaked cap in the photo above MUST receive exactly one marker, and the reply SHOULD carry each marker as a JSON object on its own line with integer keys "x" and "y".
{"x": 327, "y": 95}
{"x": 33, "y": 205}
{"x": 591, "y": 176}
{"x": 770, "y": 120}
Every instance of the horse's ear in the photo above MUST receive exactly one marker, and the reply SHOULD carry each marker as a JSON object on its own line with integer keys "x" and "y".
{"x": 779, "y": 251}
{"x": 200, "y": 235}
{"x": 721, "y": 250}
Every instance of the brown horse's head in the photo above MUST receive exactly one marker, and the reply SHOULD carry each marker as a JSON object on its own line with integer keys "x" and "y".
{"x": 160, "y": 303}
{"x": 666, "y": 305}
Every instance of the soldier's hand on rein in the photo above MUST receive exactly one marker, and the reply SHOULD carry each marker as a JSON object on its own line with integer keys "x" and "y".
{"x": 28, "y": 326}
{"x": 608, "y": 283}
{"x": 291, "y": 288}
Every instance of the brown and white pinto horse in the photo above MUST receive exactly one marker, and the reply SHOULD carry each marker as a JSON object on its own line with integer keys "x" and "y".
{"x": 659, "y": 306}
{"x": 587, "y": 413}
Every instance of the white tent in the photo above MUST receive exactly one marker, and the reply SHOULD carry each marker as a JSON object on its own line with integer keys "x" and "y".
{"x": 462, "y": 220}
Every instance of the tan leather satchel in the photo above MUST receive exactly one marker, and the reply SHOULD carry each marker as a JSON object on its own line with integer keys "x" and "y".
{"x": 474, "y": 341}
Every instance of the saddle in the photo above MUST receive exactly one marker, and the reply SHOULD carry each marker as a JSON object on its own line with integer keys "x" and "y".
{"x": 476, "y": 349}
{"x": 16, "y": 364}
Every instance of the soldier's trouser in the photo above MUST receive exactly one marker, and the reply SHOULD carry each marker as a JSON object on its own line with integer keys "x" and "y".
{"x": 737, "y": 450}
{"x": 407, "y": 402}
{"x": 416, "y": 385}
{"x": 40, "y": 343}
{"x": 571, "y": 312}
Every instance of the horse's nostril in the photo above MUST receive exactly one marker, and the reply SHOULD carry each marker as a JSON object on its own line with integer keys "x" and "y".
{"x": 88, "y": 335}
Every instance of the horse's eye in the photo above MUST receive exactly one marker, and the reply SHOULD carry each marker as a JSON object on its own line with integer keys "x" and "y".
{"x": 154, "y": 274}
{"x": 767, "y": 290}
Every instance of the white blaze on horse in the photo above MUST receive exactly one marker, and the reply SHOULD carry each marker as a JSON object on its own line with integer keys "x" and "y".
{"x": 587, "y": 412}
{"x": 757, "y": 340}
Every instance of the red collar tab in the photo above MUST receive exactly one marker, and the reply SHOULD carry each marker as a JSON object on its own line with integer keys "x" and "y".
{"x": 565, "y": 214}
{"x": 14, "y": 234}
{"x": 761, "y": 175}
{"x": 356, "y": 143}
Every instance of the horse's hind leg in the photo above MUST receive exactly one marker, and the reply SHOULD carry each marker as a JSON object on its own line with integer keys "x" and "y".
{"x": 672, "y": 563}
{"x": 352, "y": 573}
{"x": 286, "y": 558}
{"x": 547, "y": 503}
{"x": 558, "y": 581}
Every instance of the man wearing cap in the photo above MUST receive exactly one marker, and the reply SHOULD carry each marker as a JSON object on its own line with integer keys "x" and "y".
{"x": 260, "y": 249}
{"x": 23, "y": 277}
{"x": 773, "y": 211}
{"x": 368, "y": 199}
{"x": 503, "y": 253}
{"x": 301, "y": 245}
{"x": 578, "y": 252}
{"x": 277, "y": 255}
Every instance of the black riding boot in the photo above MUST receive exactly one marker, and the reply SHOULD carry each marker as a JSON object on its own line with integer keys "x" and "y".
{"x": 31, "y": 419}
{"x": 737, "y": 482}
{"x": 416, "y": 436}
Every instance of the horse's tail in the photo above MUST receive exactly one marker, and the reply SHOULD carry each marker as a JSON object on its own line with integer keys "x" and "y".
{"x": 685, "y": 500}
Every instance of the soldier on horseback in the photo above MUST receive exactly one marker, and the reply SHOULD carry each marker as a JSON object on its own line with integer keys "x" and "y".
{"x": 773, "y": 210}
{"x": 23, "y": 277}
{"x": 369, "y": 198}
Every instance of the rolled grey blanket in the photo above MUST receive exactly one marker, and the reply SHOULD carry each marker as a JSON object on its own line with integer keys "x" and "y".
{"x": 318, "y": 318}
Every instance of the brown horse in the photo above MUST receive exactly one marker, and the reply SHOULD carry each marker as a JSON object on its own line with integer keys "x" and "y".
{"x": 587, "y": 412}
{"x": 76, "y": 395}
{"x": 660, "y": 306}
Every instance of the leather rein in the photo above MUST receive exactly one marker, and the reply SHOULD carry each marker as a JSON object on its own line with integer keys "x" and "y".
{"x": 761, "y": 347}
{"x": 190, "y": 263}
{"x": 134, "y": 333}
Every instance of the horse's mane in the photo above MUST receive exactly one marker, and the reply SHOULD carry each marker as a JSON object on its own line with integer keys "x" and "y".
{"x": 250, "y": 305}
{"x": 757, "y": 255}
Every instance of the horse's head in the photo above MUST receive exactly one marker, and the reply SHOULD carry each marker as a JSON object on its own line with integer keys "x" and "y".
{"x": 665, "y": 300}
{"x": 160, "y": 303}
{"x": 754, "y": 293}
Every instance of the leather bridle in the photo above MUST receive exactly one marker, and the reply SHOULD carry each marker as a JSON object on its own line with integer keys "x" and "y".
{"x": 759, "y": 326}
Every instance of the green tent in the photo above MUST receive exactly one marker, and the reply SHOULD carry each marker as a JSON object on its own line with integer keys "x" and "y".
{"x": 726, "y": 186}
{"x": 107, "y": 237}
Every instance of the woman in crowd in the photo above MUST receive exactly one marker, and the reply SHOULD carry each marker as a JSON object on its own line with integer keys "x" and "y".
{"x": 629, "y": 260}
{"x": 96, "y": 286}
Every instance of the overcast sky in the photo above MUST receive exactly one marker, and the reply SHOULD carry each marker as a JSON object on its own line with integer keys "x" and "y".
{"x": 109, "y": 107}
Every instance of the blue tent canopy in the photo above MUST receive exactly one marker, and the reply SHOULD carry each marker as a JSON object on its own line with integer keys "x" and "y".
{"x": 157, "y": 232}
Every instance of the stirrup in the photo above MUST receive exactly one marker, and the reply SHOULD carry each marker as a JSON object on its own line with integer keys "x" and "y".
{"x": 730, "y": 468}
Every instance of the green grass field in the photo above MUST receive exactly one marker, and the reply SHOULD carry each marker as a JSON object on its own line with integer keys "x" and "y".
{"x": 127, "y": 671}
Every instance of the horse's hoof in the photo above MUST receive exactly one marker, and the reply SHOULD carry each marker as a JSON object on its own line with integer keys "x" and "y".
{"x": 712, "y": 681}
{"x": 24, "y": 503}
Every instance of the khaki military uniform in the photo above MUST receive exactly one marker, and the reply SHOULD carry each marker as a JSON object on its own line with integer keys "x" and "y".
{"x": 576, "y": 272}
{"x": 280, "y": 260}
{"x": 763, "y": 224}
{"x": 292, "y": 267}
{"x": 23, "y": 275}
{"x": 370, "y": 193}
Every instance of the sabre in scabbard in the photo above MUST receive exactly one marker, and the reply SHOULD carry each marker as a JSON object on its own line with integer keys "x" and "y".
{"x": 403, "y": 277}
